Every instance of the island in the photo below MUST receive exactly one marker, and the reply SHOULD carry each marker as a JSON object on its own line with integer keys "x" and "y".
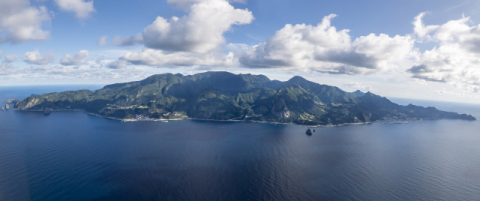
{"x": 235, "y": 97}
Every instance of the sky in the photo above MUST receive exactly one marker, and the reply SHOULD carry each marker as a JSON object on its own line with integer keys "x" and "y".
{"x": 420, "y": 49}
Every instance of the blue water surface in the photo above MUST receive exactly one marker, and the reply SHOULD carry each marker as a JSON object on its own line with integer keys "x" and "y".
{"x": 75, "y": 156}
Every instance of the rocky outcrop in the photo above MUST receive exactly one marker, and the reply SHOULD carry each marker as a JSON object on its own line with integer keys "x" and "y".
{"x": 31, "y": 101}
{"x": 10, "y": 101}
{"x": 309, "y": 132}
{"x": 279, "y": 108}
{"x": 6, "y": 106}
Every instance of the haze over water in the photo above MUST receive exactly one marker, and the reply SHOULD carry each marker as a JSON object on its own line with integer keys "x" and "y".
{"x": 75, "y": 156}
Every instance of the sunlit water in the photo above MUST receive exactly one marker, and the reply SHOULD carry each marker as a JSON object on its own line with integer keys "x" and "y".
{"x": 75, "y": 156}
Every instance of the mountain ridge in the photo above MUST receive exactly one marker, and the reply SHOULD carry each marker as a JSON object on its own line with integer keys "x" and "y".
{"x": 227, "y": 96}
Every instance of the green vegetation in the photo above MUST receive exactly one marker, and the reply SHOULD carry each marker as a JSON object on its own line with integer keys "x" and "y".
{"x": 226, "y": 96}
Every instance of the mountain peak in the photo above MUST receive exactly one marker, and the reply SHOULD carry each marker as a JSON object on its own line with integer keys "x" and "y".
{"x": 297, "y": 79}
{"x": 359, "y": 93}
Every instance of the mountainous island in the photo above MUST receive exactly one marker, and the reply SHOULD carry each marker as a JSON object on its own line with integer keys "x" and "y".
{"x": 227, "y": 96}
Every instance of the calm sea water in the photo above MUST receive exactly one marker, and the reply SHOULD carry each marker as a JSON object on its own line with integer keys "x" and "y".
{"x": 75, "y": 156}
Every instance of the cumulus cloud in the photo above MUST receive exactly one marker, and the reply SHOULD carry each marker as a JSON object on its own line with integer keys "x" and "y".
{"x": 21, "y": 22}
{"x": 118, "y": 64}
{"x": 34, "y": 57}
{"x": 200, "y": 31}
{"x": 81, "y": 8}
{"x": 102, "y": 41}
{"x": 98, "y": 63}
{"x": 162, "y": 58}
{"x": 456, "y": 58}
{"x": 419, "y": 27}
{"x": 77, "y": 59}
{"x": 322, "y": 48}
{"x": 186, "y": 4}
{"x": 192, "y": 40}
{"x": 10, "y": 58}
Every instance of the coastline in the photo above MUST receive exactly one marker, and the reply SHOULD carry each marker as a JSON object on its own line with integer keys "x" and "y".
{"x": 262, "y": 122}
{"x": 249, "y": 121}
{"x": 230, "y": 120}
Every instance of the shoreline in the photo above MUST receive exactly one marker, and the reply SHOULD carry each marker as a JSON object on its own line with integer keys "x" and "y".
{"x": 216, "y": 120}
{"x": 261, "y": 122}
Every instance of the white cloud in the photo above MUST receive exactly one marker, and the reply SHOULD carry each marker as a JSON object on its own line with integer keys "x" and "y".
{"x": 34, "y": 57}
{"x": 200, "y": 31}
{"x": 10, "y": 58}
{"x": 99, "y": 60}
{"x": 37, "y": 69}
{"x": 358, "y": 86}
{"x": 102, "y": 41}
{"x": 161, "y": 58}
{"x": 322, "y": 48}
{"x": 6, "y": 69}
{"x": 20, "y": 22}
{"x": 49, "y": 73}
{"x": 81, "y": 8}
{"x": 186, "y": 4}
{"x": 419, "y": 27}
{"x": 5, "y": 66}
{"x": 112, "y": 52}
{"x": 98, "y": 63}
{"x": 77, "y": 59}
{"x": 456, "y": 58}
{"x": 192, "y": 40}
{"x": 118, "y": 64}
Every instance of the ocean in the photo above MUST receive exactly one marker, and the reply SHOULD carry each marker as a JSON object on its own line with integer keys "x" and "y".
{"x": 76, "y": 156}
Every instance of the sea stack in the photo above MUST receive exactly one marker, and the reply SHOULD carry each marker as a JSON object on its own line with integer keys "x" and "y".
{"x": 6, "y": 106}
{"x": 3, "y": 108}
{"x": 309, "y": 132}
{"x": 46, "y": 111}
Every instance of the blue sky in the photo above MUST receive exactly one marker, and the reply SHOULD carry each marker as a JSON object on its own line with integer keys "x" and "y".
{"x": 366, "y": 45}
